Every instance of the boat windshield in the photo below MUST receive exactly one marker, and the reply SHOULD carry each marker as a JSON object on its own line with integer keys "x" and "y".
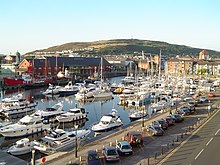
{"x": 25, "y": 123}
{"x": 105, "y": 122}
{"x": 20, "y": 145}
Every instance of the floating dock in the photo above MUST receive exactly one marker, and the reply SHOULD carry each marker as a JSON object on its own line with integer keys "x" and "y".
{"x": 6, "y": 158}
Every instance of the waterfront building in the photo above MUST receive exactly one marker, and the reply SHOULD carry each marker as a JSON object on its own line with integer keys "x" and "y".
{"x": 51, "y": 65}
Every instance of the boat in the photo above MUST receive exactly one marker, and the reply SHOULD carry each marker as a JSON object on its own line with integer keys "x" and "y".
{"x": 52, "y": 90}
{"x": 137, "y": 115}
{"x": 16, "y": 105}
{"x": 108, "y": 122}
{"x": 51, "y": 112}
{"x": 74, "y": 114}
{"x": 141, "y": 98}
{"x": 25, "y": 126}
{"x": 69, "y": 89}
{"x": 23, "y": 146}
{"x": 60, "y": 140}
{"x": 85, "y": 93}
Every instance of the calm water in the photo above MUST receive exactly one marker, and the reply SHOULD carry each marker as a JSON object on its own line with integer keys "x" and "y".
{"x": 95, "y": 109}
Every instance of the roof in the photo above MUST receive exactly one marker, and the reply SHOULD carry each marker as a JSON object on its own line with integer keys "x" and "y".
{"x": 70, "y": 61}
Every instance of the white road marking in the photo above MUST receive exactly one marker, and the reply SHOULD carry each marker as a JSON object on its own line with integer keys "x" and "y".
{"x": 199, "y": 153}
{"x": 217, "y": 132}
{"x": 209, "y": 141}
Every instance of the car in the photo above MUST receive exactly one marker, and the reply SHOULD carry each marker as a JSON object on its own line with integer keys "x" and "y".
{"x": 184, "y": 111}
{"x": 192, "y": 103}
{"x": 177, "y": 118}
{"x": 169, "y": 121}
{"x": 160, "y": 123}
{"x": 211, "y": 95}
{"x": 134, "y": 137}
{"x": 203, "y": 99}
{"x": 92, "y": 158}
{"x": 124, "y": 148}
{"x": 155, "y": 130}
{"x": 111, "y": 154}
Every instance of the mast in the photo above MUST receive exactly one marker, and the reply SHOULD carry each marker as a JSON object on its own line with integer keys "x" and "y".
{"x": 160, "y": 64}
{"x": 101, "y": 68}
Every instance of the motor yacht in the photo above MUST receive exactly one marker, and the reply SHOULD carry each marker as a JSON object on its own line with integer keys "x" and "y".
{"x": 27, "y": 125}
{"x": 69, "y": 89}
{"x": 52, "y": 90}
{"x": 73, "y": 114}
{"x": 108, "y": 122}
{"x": 23, "y": 146}
{"x": 60, "y": 140}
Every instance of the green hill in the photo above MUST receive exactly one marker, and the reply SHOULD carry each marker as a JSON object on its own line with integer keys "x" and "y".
{"x": 126, "y": 46}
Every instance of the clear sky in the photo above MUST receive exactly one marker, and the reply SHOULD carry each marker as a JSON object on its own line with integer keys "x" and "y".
{"x": 27, "y": 25}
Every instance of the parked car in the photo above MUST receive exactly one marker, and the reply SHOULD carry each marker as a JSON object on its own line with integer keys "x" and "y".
{"x": 192, "y": 103}
{"x": 134, "y": 137}
{"x": 177, "y": 118}
{"x": 160, "y": 123}
{"x": 92, "y": 158}
{"x": 169, "y": 121}
{"x": 124, "y": 148}
{"x": 155, "y": 130}
{"x": 111, "y": 154}
{"x": 184, "y": 111}
{"x": 211, "y": 95}
{"x": 203, "y": 99}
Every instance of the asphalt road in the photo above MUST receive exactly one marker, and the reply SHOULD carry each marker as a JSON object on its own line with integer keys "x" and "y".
{"x": 202, "y": 148}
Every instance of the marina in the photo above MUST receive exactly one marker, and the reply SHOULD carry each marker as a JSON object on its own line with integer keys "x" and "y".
{"x": 96, "y": 114}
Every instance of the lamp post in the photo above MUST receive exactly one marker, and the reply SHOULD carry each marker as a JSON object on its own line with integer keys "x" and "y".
{"x": 209, "y": 107}
{"x": 143, "y": 117}
{"x": 76, "y": 127}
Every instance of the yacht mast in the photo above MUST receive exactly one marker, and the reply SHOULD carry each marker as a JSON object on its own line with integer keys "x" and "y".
{"x": 160, "y": 64}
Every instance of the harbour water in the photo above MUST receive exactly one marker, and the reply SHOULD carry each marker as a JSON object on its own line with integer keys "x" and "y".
{"x": 95, "y": 110}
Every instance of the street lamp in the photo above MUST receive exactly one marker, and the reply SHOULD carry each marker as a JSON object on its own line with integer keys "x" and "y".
{"x": 209, "y": 107}
{"x": 143, "y": 117}
{"x": 76, "y": 127}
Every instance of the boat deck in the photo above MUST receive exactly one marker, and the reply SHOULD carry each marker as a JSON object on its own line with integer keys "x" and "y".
{"x": 6, "y": 158}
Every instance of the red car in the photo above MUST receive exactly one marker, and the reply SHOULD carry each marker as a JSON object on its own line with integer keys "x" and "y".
{"x": 211, "y": 95}
{"x": 169, "y": 121}
{"x": 134, "y": 137}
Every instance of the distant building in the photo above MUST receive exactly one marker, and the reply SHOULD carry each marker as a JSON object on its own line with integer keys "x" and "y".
{"x": 51, "y": 65}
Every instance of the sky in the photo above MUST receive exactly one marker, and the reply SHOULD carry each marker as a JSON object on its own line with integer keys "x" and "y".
{"x": 28, "y": 25}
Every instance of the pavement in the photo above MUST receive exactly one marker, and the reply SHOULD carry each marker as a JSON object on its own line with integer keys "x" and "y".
{"x": 153, "y": 146}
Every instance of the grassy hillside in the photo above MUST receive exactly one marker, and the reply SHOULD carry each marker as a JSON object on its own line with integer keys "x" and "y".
{"x": 126, "y": 46}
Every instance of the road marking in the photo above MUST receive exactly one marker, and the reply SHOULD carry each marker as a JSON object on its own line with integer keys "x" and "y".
{"x": 209, "y": 141}
{"x": 185, "y": 141}
{"x": 217, "y": 132}
{"x": 199, "y": 153}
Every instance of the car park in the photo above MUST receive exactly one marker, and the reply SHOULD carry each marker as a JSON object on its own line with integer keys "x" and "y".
{"x": 177, "y": 118}
{"x": 160, "y": 123}
{"x": 155, "y": 130}
{"x": 134, "y": 137}
{"x": 124, "y": 148}
{"x": 92, "y": 158}
{"x": 169, "y": 121}
{"x": 111, "y": 154}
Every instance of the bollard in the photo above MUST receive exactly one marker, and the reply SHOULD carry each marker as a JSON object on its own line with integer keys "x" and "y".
{"x": 148, "y": 160}
{"x": 103, "y": 147}
{"x": 110, "y": 144}
{"x": 182, "y": 135}
{"x": 80, "y": 158}
{"x": 116, "y": 141}
{"x": 155, "y": 156}
{"x": 177, "y": 139}
{"x": 173, "y": 143}
{"x": 162, "y": 151}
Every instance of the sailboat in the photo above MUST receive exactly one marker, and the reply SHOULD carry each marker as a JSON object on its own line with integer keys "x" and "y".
{"x": 103, "y": 91}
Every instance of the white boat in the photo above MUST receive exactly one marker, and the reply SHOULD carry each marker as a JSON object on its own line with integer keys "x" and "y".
{"x": 74, "y": 114}
{"x": 23, "y": 146}
{"x": 85, "y": 93}
{"x": 16, "y": 105}
{"x": 50, "y": 113}
{"x": 108, "y": 122}
{"x": 69, "y": 89}
{"x": 141, "y": 98}
{"x": 137, "y": 115}
{"x": 25, "y": 126}
{"x": 60, "y": 140}
{"x": 52, "y": 90}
